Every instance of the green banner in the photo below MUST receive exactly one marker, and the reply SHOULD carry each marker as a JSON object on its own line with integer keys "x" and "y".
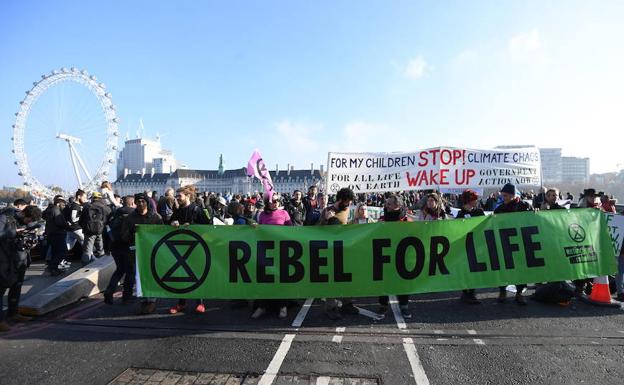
{"x": 206, "y": 261}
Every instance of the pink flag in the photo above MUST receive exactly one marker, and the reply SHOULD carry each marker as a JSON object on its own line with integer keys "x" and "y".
{"x": 257, "y": 168}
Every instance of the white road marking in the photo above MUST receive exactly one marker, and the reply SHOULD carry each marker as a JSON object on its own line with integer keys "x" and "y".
{"x": 271, "y": 372}
{"x": 370, "y": 314}
{"x": 438, "y": 332}
{"x": 477, "y": 341}
{"x": 397, "y": 313}
{"x": 338, "y": 338}
{"x": 302, "y": 313}
{"x": 322, "y": 381}
{"x": 417, "y": 369}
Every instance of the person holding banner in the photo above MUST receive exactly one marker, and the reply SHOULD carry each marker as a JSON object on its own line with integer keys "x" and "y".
{"x": 188, "y": 213}
{"x": 273, "y": 214}
{"x": 338, "y": 214}
{"x": 511, "y": 204}
{"x": 550, "y": 200}
{"x": 360, "y": 215}
{"x": 433, "y": 209}
{"x": 395, "y": 211}
{"x": 140, "y": 216}
{"x": 470, "y": 201}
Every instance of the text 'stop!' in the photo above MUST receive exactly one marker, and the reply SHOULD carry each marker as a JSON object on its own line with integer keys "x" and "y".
{"x": 433, "y": 168}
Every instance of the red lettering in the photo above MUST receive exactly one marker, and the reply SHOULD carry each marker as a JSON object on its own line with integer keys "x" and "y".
{"x": 434, "y": 154}
{"x": 457, "y": 155}
{"x": 444, "y": 176}
{"x": 424, "y": 160}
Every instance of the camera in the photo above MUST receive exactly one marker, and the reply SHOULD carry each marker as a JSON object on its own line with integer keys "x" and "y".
{"x": 29, "y": 237}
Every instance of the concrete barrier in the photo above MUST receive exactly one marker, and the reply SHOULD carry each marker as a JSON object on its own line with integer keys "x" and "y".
{"x": 89, "y": 280}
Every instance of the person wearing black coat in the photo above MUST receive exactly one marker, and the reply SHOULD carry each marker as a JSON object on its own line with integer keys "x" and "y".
{"x": 56, "y": 230}
{"x": 469, "y": 199}
{"x": 511, "y": 204}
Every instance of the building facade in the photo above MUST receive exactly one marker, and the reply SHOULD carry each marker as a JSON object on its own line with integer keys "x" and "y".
{"x": 140, "y": 155}
{"x": 575, "y": 169}
{"x": 551, "y": 165}
{"x": 219, "y": 181}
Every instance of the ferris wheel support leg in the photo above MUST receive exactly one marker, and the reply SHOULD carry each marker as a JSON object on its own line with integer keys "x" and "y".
{"x": 81, "y": 163}
{"x": 73, "y": 159}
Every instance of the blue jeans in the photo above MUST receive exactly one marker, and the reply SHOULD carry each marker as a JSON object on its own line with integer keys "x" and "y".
{"x": 619, "y": 277}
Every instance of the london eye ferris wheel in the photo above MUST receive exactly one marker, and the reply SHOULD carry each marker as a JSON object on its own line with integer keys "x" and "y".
{"x": 65, "y": 134}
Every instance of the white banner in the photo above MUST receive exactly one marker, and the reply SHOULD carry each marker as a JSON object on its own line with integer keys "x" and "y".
{"x": 616, "y": 229}
{"x": 434, "y": 168}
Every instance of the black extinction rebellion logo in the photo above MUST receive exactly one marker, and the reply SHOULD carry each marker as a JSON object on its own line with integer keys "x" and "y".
{"x": 576, "y": 232}
{"x": 178, "y": 265}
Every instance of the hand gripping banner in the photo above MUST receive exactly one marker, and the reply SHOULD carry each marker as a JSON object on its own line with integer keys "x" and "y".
{"x": 203, "y": 261}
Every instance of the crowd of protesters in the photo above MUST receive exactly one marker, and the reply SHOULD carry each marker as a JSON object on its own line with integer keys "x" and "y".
{"x": 106, "y": 223}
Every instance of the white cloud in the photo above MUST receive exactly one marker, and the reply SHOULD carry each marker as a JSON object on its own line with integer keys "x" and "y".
{"x": 302, "y": 136}
{"x": 416, "y": 68}
{"x": 524, "y": 44}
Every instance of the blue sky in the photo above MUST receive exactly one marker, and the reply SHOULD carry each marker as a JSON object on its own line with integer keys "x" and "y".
{"x": 297, "y": 79}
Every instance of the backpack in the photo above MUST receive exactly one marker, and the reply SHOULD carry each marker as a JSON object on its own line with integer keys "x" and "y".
{"x": 554, "y": 292}
{"x": 115, "y": 226}
{"x": 92, "y": 220}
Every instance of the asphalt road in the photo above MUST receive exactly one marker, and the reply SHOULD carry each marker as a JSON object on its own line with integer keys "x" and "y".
{"x": 445, "y": 342}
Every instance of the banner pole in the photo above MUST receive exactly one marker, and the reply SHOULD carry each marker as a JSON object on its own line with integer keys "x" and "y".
{"x": 326, "y": 174}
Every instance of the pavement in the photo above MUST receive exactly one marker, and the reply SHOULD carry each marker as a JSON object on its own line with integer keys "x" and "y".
{"x": 444, "y": 342}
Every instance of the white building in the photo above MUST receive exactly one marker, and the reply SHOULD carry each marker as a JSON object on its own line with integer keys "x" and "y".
{"x": 218, "y": 181}
{"x": 551, "y": 165}
{"x": 574, "y": 169}
{"x": 141, "y": 155}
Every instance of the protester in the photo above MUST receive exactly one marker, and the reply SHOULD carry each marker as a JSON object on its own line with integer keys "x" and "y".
{"x": 550, "y": 200}
{"x": 338, "y": 213}
{"x": 272, "y": 215}
{"x": 121, "y": 254}
{"x": 140, "y": 216}
{"x": 310, "y": 203}
{"x": 14, "y": 259}
{"x": 72, "y": 215}
{"x": 469, "y": 199}
{"x": 360, "y": 215}
{"x": 589, "y": 199}
{"x": 108, "y": 196}
{"x": 220, "y": 209}
{"x": 167, "y": 204}
{"x": 296, "y": 209}
{"x": 395, "y": 211}
{"x": 511, "y": 203}
{"x": 188, "y": 213}
{"x": 607, "y": 204}
{"x": 433, "y": 209}
{"x": 56, "y": 232}
{"x": 237, "y": 212}
{"x": 249, "y": 211}
{"x": 93, "y": 220}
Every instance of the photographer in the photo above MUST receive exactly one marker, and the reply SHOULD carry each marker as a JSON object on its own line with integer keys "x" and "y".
{"x": 56, "y": 232}
{"x": 17, "y": 237}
